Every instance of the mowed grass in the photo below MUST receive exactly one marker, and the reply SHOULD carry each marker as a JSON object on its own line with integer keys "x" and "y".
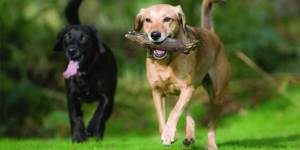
{"x": 273, "y": 125}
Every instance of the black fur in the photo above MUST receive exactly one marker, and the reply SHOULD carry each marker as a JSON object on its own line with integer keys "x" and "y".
{"x": 72, "y": 10}
{"x": 96, "y": 78}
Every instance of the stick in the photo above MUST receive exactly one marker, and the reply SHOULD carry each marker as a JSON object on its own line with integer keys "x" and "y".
{"x": 170, "y": 44}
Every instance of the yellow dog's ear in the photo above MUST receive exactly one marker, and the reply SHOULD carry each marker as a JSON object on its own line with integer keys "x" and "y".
{"x": 181, "y": 16}
{"x": 138, "y": 20}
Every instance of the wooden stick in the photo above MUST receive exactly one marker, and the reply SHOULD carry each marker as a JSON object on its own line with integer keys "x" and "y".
{"x": 170, "y": 44}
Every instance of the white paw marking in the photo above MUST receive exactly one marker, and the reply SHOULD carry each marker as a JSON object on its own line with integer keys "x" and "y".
{"x": 169, "y": 135}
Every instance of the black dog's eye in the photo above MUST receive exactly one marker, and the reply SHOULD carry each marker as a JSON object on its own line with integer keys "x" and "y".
{"x": 83, "y": 38}
{"x": 148, "y": 20}
{"x": 68, "y": 37}
{"x": 167, "y": 19}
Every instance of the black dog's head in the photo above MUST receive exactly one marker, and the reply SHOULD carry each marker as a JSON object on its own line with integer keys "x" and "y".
{"x": 80, "y": 42}
{"x": 81, "y": 45}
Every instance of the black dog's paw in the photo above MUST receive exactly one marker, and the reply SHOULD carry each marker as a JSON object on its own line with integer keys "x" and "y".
{"x": 89, "y": 132}
{"x": 95, "y": 131}
{"x": 99, "y": 135}
{"x": 78, "y": 137}
{"x": 188, "y": 142}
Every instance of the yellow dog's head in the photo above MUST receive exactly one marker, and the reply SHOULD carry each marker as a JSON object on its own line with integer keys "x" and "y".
{"x": 160, "y": 21}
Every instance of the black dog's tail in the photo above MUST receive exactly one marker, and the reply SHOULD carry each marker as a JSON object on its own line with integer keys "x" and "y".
{"x": 71, "y": 12}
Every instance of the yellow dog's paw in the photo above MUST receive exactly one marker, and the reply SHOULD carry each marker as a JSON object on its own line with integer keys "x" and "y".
{"x": 169, "y": 135}
{"x": 211, "y": 147}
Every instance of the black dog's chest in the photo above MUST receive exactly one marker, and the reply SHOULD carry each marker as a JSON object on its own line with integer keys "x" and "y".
{"x": 83, "y": 88}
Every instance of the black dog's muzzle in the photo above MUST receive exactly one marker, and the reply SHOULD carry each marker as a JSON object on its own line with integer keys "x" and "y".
{"x": 73, "y": 53}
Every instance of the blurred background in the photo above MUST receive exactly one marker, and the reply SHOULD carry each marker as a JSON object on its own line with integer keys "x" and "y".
{"x": 262, "y": 40}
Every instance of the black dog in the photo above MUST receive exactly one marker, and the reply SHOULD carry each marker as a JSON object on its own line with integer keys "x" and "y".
{"x": 90, "y": 76}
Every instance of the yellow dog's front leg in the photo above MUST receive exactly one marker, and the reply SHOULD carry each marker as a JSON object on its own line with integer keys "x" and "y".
{"x": 169, "y": 133}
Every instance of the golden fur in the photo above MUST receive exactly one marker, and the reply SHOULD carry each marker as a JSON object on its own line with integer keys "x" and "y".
{"x": 182, "y": 73}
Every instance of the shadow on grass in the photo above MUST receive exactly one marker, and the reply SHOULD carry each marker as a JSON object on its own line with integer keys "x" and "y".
{"x": 272, "y": 142}
{"x": 193, "y": 147}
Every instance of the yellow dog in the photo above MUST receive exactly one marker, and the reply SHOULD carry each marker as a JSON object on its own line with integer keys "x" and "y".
{"x": 177, "y": 73}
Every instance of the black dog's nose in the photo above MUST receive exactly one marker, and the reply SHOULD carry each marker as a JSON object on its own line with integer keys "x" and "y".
{"x": 155, "y": 35}
{"x": 72, "y": 51}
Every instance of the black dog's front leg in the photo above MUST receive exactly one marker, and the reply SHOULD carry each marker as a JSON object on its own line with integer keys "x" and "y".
{"x": 76, "y": 120}
{"x": 97, "y": 124}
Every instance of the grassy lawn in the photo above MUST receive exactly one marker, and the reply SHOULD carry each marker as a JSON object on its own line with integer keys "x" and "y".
{"x": 273, "y": 125}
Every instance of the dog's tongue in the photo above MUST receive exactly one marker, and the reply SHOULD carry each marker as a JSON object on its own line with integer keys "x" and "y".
{"x": 71, "y": 69}
{"x": 159, "y": 51}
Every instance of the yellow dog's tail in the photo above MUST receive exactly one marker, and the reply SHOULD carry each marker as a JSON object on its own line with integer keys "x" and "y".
{"x": 206, "y": 14}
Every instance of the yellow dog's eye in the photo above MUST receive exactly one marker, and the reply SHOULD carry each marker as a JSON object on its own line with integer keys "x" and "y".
{"x": 148, "y": 20}
{"x": 167, "y": 19}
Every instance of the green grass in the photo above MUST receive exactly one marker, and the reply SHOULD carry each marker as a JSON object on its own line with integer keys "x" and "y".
{"x": 273, "y": 125}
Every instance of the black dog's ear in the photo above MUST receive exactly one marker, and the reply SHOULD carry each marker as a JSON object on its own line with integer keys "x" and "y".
{"x": 59, "y": 40}
{"x": 96, "y": 39}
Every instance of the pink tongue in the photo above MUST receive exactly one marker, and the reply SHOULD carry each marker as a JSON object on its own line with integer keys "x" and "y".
{"x": 160, "y": 51}
{"x": 71, "y": 69}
